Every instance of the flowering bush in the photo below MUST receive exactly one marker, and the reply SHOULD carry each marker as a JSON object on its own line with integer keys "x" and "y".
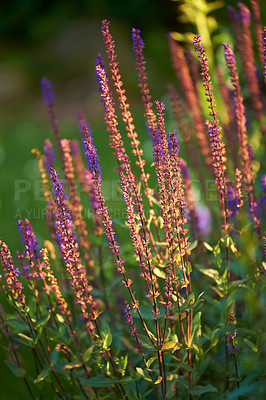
{"x": 177, "y": 311}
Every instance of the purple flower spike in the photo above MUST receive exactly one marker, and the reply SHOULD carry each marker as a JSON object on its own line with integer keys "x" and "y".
{"x": 245, "y": 150}
{"x": 264, "y": 51}
{"x": 49, "y": 98}
{"x": 91, "y": 153}
{"x": 58, "y": 189}
{"x": 64, "y": 218}
{"x": 11, "y": 274}
{"x": 138, "y": 43}
{"x": 138, "y": 46}
{"x": 64, "y": 231}
{"x": 134, "y": 334}
{"x": 70, "y": 250}
{"x": 173, "y": 143}
{"x": 93, "y": 163}
{"x": 100, "y": 68}
{"x": 32, "y": 250}
{"x": 49, "y": 155}
{"x": 244, "y": 13}
{"x": 47, "y": 91}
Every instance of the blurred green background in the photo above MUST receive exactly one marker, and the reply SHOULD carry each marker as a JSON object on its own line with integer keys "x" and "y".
{"x": 60, "y": 39}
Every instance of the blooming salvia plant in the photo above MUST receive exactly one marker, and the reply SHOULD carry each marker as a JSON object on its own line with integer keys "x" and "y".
{"x": 152, "y": 307}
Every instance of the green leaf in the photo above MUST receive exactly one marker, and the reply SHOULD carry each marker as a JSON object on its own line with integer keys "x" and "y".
{"x": 150, "y": 361}
{"x": 28, "y": 341}
{"x": 158, "y": 380}
{"x": 106, "y": 335}
{"x": 172, "y": 356}
{"x": 196, "y": 326}
{"x": 184, "y": 366}
{"x": 54, "y": 357}
{"x": 251, "y": 345}
{"x": 188, "y": 267}
{"x": 127, "y": 379}
{"x": 170, "y": 345}
{"x": 190, "y": 302}
{"x": 208, "y": 247}
{"x": 212, "y": 273}
{"x": 239, "y": 284}
{"x": 230, "y": 243}
{"x": 19, "y": 324}
{"x": 88, "y": 353}
{"x": 73, "y": 364}
{"x": 263, "y": 266}
{"x": 37, "y": 337}
{"x": 15, "y": 369}
{"x": 199, "y": 390}
{"x": 251, "y": 388}
{"x": 44, "y": 320}
{"x": 98, "y": 381}
{"x": 60, "y": 318}
{"x": 192, "y": 246}
{"x": 158, "y": 272}
{"x": 43, "y": 375}
{"x": 231, "y": 298}
{"x": 146, "y": 342}
{"x": 144, "y": 374}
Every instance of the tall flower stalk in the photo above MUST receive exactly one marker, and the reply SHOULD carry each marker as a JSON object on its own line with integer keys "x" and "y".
{"x": 264, "y": 52}
{"x": 138, "y": 46}
{"x": 181, "y": 68}
{"x": 218, "y": 158}
{"x": 241, "y": 23}
{"x": 214, "y": 130}
{"x": 244, "y": 147}
{"x": 75, "y": 204}
{"x": 49, "y": 98}
{"x": 258, "y": 27}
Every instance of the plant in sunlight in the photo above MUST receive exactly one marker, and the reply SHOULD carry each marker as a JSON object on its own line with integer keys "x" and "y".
{"x": 167, "y": 303}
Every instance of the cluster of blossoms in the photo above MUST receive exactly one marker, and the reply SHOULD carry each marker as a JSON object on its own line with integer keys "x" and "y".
{"x": 31, "y": 253}
{"x": 53, "y": 285}
{"x": 11, "y": 276}
{"x": 69, "y": 247}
